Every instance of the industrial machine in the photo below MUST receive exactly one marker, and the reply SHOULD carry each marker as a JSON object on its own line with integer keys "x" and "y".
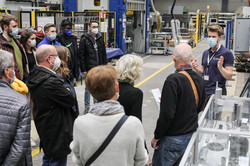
{"x": 241, "y": 39}
{"x": 130, "y": 21}
{"x": 222, "y": 138}
{"x": 173, "y": 31}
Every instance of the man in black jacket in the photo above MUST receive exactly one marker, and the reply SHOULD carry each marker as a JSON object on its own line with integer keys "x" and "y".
{"x": 52, "y": 107}
{"x": 92, "y": 52}
{"x": 68, "y": 40}
{"x": 178, "y": 117}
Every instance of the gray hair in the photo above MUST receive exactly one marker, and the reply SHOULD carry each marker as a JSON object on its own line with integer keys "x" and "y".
{"x": 183, "y": 52}
{"x": 6, "y": 61}
{"x": 129, "y": 67}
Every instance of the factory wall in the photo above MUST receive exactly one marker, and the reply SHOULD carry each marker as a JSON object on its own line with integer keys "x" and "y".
{"x": 12, "y": 5}
{"x": 215, "y": 5}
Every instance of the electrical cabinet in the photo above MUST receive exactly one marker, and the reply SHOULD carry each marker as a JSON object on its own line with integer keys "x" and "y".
{"x": 241, "y": 34}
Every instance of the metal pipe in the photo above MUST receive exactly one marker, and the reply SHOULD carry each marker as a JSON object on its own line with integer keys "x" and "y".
{"x": 153, "y": 6}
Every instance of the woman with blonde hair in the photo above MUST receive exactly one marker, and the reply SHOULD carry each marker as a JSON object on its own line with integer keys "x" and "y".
{"x": 64, "y": 73}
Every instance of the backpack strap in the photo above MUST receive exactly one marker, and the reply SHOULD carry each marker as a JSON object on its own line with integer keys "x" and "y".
{"x": 193, "y": 86}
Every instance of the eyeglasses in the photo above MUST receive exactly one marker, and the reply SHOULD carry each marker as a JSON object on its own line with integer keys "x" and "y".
{"x": 11, "y": 67}
{"x": 54, "y": 55}
{"x": 95, "y": 27}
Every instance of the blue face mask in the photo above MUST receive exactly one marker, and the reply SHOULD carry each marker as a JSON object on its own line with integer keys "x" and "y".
{"x": 212, "y": 42}
{"x": 68, "y": 32}
{"x": 52, "y": 37}
{"x": 14, "y": 76}
{"x": 14, "y": 32}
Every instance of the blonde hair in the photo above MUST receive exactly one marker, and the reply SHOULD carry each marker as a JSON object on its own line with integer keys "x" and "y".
{"x": 101, "y": 82}
{"x": 63, "y": 53}
{"x": 215, "y": 28}
{"x": 129, "y": 67}
{"x": 48, "y": 26}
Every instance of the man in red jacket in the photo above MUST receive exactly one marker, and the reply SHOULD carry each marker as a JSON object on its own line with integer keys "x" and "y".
{"x": 9, "y": 43}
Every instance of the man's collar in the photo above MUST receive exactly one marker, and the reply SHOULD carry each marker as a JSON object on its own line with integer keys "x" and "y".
{"x": 10, "y": 38}
{"x": 48, "y": 69}
{"x": 183, "y": 67}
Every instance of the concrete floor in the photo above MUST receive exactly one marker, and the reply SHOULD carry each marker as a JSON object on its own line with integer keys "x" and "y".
{"x": 152, "y": 64}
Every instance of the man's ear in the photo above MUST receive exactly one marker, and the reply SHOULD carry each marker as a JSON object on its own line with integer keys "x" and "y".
{"x": 5, "y": 27}
{"x": 220, "y": 37}
{"x": 6, "y": 71}
{"x": 173, "y": 58}
{"x": 46, "y": 33}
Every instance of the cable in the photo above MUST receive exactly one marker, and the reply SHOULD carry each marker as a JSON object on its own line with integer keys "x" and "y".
{"x": 173, "y": 9}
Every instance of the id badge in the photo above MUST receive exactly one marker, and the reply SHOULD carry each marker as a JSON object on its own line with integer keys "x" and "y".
{"x": 206, "y": 77}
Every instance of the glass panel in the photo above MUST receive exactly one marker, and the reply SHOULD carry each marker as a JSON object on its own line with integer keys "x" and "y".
{"x": 223, "y": 136}
{"x": 219, "y": 150}
{"x": 228, "y": 113}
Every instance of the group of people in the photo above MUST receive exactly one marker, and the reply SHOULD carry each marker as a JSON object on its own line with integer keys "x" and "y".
{"x": 111, "y": 131}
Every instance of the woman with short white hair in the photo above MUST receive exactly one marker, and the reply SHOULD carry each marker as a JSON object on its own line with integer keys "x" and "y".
{"x": 129, "y": 68}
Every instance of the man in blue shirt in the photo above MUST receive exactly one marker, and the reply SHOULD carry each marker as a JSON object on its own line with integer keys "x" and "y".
{"x": 217, "y": 62}
{"x": 50, "y": 35}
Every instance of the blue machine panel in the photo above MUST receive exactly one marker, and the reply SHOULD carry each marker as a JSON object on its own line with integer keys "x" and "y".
{"x": 120, "y": 7}
{"x": 147, "y": 24}
{"x": 70, "y": 5}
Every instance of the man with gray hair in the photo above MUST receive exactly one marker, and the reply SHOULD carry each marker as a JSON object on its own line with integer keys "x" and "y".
{"x": 182, "y": 98}
{"x": 14, "y": 118}
{"x": 52, "y": 107}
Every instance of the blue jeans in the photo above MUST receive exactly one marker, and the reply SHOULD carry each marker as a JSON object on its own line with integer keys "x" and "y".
{"x": 170, "y": 150}
{"x": 54, "y": 161}
{"x": 87, "y": 96}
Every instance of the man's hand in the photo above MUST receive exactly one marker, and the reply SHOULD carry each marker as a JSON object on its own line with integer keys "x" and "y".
{"x": 149, "y": 161}
{"x": 220, "y": 62}
{"x": 153, "y": 143}
{"x": 195, "y": 65}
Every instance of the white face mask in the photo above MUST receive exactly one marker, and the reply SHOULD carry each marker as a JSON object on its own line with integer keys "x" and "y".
{"x": 32, "y": 43}
{"x": 95, "y": 30}
{"x": 57, "y": 63}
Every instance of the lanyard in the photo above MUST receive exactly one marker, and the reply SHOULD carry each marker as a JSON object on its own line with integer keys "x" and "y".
{"x": 210, "y": 59}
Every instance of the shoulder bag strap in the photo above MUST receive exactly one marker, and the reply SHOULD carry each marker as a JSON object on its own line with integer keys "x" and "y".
{"x": 107, "y": 140}
{"x": 193, "y": 86}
